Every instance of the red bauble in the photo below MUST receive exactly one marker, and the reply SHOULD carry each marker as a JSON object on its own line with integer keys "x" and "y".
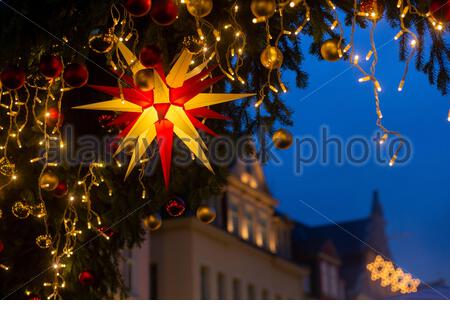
{"x": 138, "y": 8}
{"x": 50, "y": 66}
{"x": 86, "y": 278}
{"x": 150, "y": 56}
{"x": 61, "y": 190}
{"x": 164, "y": 12}
{"x": 13, "y": 78}
{"x": 76, "y": 75}
{"x": 374, "y": 8}
{"x": 440, "y": 9}
{"x": 175, "y": 207}
{"x": 52, "y": 117}
{"x": 2, "y": 246}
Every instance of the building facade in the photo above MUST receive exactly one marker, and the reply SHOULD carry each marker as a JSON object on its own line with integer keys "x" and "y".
{"x": 245, "y": 254}
{"x": 251, "y": 251}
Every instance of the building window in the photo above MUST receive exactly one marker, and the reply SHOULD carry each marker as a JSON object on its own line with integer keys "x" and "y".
{"x": 221, "y": 286}
{"x": 324, "y": 277}
{"x": 251, "y": 294}
{"x": 247, "y": 230}
{"x": 236, "y": 289}
{"x": 273, "y": 240}
{"x": 153, "y": 282}
{"x": 329, "y": 279}
{"x": 334, "y": 282}
{"x": 263, "y": 234}
{"x": 233, "y": 219}
{"x": 204, "y": 283}
{"x": 265, "y": 295}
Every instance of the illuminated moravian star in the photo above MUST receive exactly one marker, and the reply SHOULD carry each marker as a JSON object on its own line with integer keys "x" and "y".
{"x": 173, "y": 106}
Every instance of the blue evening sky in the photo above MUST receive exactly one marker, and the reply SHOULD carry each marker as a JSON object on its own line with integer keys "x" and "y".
{"x": 415, "y": 196}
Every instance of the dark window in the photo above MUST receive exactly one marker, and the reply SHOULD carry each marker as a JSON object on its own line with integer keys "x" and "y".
{"x": 236, "y": 289}
{"x": 153, "y": 282}
{"x": 204, "y": 282}
{"x": 251, "y": 294}
{"x": 221, "y": 286}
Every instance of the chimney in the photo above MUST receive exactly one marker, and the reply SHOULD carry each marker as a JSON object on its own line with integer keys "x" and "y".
{"x": 377, "y": 208}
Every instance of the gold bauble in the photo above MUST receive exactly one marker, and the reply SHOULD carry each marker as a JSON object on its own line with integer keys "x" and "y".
{"x": 206, "y": 214}
{"x": 271, "y": 58}
{"x": 330, "y": 50}
{"x": 193, "y": 44}
{"x": 39, "y": 210}
{"x": 44, "y": 241}
{"x": 144, "y": 80}
{"x": 21, "y": 210}
{"x": 48, "y": 181}
{"x": 6, "y": 167}
{"x": 153, "y": 222}
{"x": 199, "y": 8}
{"x": 101, "y": 41}
{"x": 263, "y": 8}
{"x": 282, "y": 139}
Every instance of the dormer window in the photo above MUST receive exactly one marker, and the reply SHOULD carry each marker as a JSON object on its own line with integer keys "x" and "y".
{"x": 329, "y": 279}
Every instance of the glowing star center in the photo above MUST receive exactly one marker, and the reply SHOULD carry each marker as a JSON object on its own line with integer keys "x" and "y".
{"x": 173, "y": 106}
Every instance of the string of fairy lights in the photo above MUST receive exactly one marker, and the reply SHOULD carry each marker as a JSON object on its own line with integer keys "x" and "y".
{"x": 37, "y": 103}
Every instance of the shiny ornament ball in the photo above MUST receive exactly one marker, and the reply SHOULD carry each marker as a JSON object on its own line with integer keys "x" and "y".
{"x": 193, "y": 44}
{"x": 21, "y": 210}
{"x": 282, "y": 139}
{"x": 12, "y": 78}
{"x": 175, "y": 207}
{"x": 263, "y": 8}
{"x": 164, "y": 12}
{"x": 44, "y": 241}
{"x": 271, "y": 58}
{"x": 101, "y": 40}
{"x": 150, "y": 56}
{"x": 138, "y": 8}
{"x": 6, "y": 167}
{"x": 153, "y": 222}
{"x": 440, "y": 9}
{"x": 199, "y": 8}
{"x": 76, "y": 75}
{"x": 50, "y": 66}
{"x": 86, "y": 278}
{"x": 144, "y": 79}
{"x": 206, "y": 214}
{"x": 49, "y": 181}
{"x": 61, "y": 190}
{"x": 330, "y": 50}
{"x": 2, "y": 246}
{"x": 53, "y": 118}
{"x": 372, "y": 8}
{"x": 38, "y": 210}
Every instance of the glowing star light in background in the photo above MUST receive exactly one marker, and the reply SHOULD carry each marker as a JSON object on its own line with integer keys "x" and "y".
{"x": 173, "y": 105}
{"x": 396, "y": 278}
